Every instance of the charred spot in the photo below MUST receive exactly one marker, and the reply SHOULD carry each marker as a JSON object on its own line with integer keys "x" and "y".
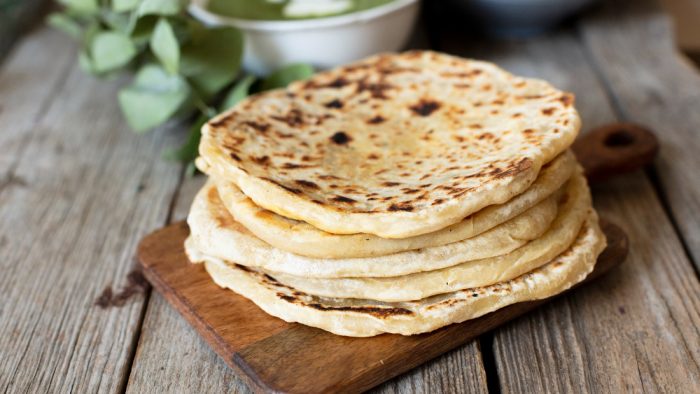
{"x": 334, "y": 104}
{"x": 566, "y": 99}
{"x": 294, "y": 166}
{"x": 528, "y": 131}
{"x": 284, "y": 135}
{"x": 517, "y": 115}
{"x": 376, "y": 90}
{"x": 402, "y": 206}
{"x": 370, "y": 310}
{"x": 293, "y": 118}
{"x": 391, "y": 184}
{"x": 307, "y": 184}
{"x": 244, "y": 268}
{"x": 487, "y": 136}
{"x": 343, "y": 199}
{"x": 548, "y": 111}
{"x": 327, "y": 177}
{"x": 235, "y": 157}
{"x": 408, "y": 190}
{"x": 498, "y": 102}
{"x": 319, "y": 202}
{"x": 340, "y": 138}
{"x": 262, "y": 160}
{"x": 219, "y": 123}
{"x": 259, "y": 127}
{"x": 425, "y": 107}
{"x": 373, "y": 156}
{"x": 376, "y": 120}
{"x": 476, "y": 126}
{"x": 438, "y": 201}
{"x": 517, "y": 167}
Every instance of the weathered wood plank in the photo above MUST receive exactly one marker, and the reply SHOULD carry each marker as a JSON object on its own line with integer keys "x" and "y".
{"x": 634, "y": 329}
{"x": 86, "y": 189}
{"x": 631, "y": 43}
{"x": 189, "y": 365}
{"x": 29, "y": 84}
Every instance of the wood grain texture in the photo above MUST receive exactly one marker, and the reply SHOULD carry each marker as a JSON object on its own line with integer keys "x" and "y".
{"x": 631, "y": 43}
{"x": 633, "y": 330}
{"x": 185, "y": 365}
{"x": 80, "y": 191}
{"x": 275, "y": 356}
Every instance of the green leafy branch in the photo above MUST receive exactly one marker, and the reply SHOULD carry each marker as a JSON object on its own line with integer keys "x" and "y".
{"x": 181, "y": 67}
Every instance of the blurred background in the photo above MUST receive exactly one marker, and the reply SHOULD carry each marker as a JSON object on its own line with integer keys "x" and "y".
{"x": 501, "y": 18}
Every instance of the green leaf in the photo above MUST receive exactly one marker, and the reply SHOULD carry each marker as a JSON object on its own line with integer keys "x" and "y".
{"x": 124, "y": 5}
{"x": 160, "y": 7}
{"x": 110, "y": 50}
{"x": 165, "y": 46}
{"x": 142, "y": 30}
{"x": 116, "y": 21}
{"x": 65, "y": 24}
{"x": 152, "y": 98}
{"x": 239, "y": 91}
{"x": 286, "y": 75}
{"x": 82, "y": 6}
{"x": 190, "y": 149}
{"x": 212, "y": 58}
{"x": 85, "y": 62}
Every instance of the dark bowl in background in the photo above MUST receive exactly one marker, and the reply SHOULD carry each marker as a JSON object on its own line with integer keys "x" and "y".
{"x": 519, "y": 18}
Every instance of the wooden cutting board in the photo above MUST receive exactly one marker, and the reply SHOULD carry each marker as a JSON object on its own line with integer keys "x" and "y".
{"x": 273, "y": 355}
{"x": 277, "y": 356}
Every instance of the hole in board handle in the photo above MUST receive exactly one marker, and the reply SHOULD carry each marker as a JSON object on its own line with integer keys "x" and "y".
{"x": 619, "y": 138}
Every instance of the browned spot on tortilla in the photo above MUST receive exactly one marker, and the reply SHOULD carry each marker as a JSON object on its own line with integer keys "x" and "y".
{"x": 376, "y": 120}
{"x": 235, "y": 157}
{"x": 376, "y": 90}
{"x": 293, "y": 118}
{"x": 402, "y": 206}
{"x": 335, "y": 103}
{"x": 262, "y": 160}
{"x": 370, "y": 310}
{"x": 425, "y": 107}
{"x": 307, "y": 184}
{"x": 340, "y": 138}
{"x": 293, "y": 166}
{"x": 567, "y": 99}
{"x": 261, "y": 127}
{"x": 438, "y": 201}
{"x": 548, "y": 111}
{"x": 343, "y": 199}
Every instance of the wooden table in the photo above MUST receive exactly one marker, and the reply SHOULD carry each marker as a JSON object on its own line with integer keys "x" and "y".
{"x": 78, "y": 190}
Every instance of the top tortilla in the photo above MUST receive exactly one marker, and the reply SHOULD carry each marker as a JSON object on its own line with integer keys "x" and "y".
{"x": 396, "y": 145}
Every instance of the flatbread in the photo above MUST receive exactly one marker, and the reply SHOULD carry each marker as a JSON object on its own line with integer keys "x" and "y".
{"x": 304, "y": 239}
{"x": 396, "y": 145}
{"x": 215, "y": 233}
{"x": 361, "y": 318}
{"x": 575, "y": 208}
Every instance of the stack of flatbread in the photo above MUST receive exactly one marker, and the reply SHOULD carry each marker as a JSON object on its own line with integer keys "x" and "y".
{"x": 398, "y": 194}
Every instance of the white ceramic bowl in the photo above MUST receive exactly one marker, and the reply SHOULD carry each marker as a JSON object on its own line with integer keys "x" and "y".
{"x": 322, "y": 42}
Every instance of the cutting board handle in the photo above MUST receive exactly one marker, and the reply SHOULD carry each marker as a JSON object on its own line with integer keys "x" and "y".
{"x": 615, "y": 149}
